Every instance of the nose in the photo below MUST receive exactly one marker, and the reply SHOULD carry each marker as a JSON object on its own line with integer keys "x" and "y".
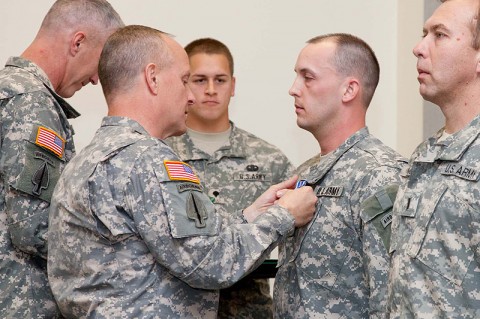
{"x": 293, "y": 89}
{"x": 419, "y": 50}
{"x": 190, "y": 96}
{"x": 210, "y": 89}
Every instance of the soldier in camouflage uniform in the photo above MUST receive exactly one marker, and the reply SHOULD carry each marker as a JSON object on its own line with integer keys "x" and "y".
{"x": 235, "y": 166}
{"x": 36, "y": 143}
{"x": 435, "y": 270}
{"x": 337, "y": 266}
{"x": 132, "y": 234}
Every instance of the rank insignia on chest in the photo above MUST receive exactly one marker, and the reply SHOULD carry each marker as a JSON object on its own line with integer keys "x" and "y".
{"x": 50, "y": 140}
{"x": 180, "y": 171}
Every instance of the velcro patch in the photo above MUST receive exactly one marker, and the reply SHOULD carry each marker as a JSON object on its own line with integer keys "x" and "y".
{"x": 459, "y": 170}
{"x": 180, "y": 171}
{"x": 50, "y": 140}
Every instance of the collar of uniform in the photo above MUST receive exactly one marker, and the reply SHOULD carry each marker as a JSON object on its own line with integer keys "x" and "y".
{"x": 325, "y": 164}
{"x": 124, "y": 122}
{"x": 36, "y": 71}
{"x": 453, "y": 147}
{"x": 235, "y": 148}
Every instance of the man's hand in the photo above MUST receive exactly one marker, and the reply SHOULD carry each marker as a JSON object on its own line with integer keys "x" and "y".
{"x": 300, "y": 202}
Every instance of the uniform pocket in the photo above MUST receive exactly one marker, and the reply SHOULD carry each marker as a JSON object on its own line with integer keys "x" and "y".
{"x": 443, "y": 241}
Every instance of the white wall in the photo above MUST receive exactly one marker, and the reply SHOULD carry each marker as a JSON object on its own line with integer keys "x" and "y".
{"x": 265, "y": 38}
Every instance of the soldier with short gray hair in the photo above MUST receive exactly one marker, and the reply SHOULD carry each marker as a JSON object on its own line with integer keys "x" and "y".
{"x": 132, "y": 233}
{"x": 37, "y": 141}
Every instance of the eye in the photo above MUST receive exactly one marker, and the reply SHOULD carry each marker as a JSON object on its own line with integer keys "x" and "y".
{"x": 198, "y": 81}
{"x": 220, "y": 81}
{"x": 308, "y": 78}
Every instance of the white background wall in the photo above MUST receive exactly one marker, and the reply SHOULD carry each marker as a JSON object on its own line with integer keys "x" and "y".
{"x": 265, "y": 38}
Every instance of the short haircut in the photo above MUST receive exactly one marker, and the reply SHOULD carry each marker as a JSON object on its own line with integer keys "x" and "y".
{"x": 127, "y": 52}
{"x": 475, "y": 28}
{"x": 210, "y": 46}
{"x": 96, "y": 14}
{"x": 354, "y": 57}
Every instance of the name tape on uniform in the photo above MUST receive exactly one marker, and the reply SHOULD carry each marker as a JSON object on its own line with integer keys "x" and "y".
{"x": 459, "y": 170}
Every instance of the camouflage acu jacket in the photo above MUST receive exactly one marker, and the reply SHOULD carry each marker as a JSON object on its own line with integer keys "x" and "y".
{"x": 436, "y": 230}
{"x": 132, "y": 234}
{"x": 337, "y": 266}
{"x": 36, "y": 142}
{"x": 236, "y": 174}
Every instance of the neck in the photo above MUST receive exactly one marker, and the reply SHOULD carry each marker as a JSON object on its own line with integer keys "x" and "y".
{"x": 208, "y": 126}
{"x": 49, "y": 58}
{"x": 461, "y": 110}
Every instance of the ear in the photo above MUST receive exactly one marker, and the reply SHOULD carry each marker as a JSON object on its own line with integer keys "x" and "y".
{"x": 151, "y": 78}
{"x": 233, "y": 86}
{"x": 77, "y": 40}
{"x": 351, "y": 90}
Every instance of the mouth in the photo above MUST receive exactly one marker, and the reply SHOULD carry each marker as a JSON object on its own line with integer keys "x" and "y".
{"x": 210, "y": 102}
{"x": 421, "y": 71}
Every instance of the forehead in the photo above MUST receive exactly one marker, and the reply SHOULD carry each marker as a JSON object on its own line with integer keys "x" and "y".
{"x": 179, "y": 55}
{"x": 455, "y": 15}
{"x": 316, "y": 56}
{"x": 208, "y": 63}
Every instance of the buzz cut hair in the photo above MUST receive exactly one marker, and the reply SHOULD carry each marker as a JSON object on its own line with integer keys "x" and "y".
{"x": 210, "y": 46}
{"x": 354, "y": 57}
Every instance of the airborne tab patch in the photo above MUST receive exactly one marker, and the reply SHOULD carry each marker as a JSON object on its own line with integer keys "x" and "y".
{"x": 180, "y": 171}
{"x": 50, "y": 140}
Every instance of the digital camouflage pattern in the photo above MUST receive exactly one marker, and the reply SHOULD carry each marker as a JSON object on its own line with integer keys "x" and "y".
{"x": 29, "y": 173}
{"x": 337, "y": 265}
{"x": 234, "y": 177}
{"x": 435, "y": 270}
{"x": 127, "y": 241}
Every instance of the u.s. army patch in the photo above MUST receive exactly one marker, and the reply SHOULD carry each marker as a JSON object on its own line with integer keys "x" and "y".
{"x": 459, "y": 170}
{"x": 50, "y": 140}
{"x": 180, "y": 171}
{"x": 252, "y": 176}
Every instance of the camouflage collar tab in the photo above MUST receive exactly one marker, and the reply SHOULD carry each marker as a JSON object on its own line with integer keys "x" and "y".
{"x": 180, "y": 171}
{"x": 50, "y": 140}
{"x": 459, "y": 170}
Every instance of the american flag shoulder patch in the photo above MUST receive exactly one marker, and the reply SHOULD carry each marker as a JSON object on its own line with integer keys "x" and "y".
{"x": 50, "y": 140}
{"x": 180, "y": 171}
